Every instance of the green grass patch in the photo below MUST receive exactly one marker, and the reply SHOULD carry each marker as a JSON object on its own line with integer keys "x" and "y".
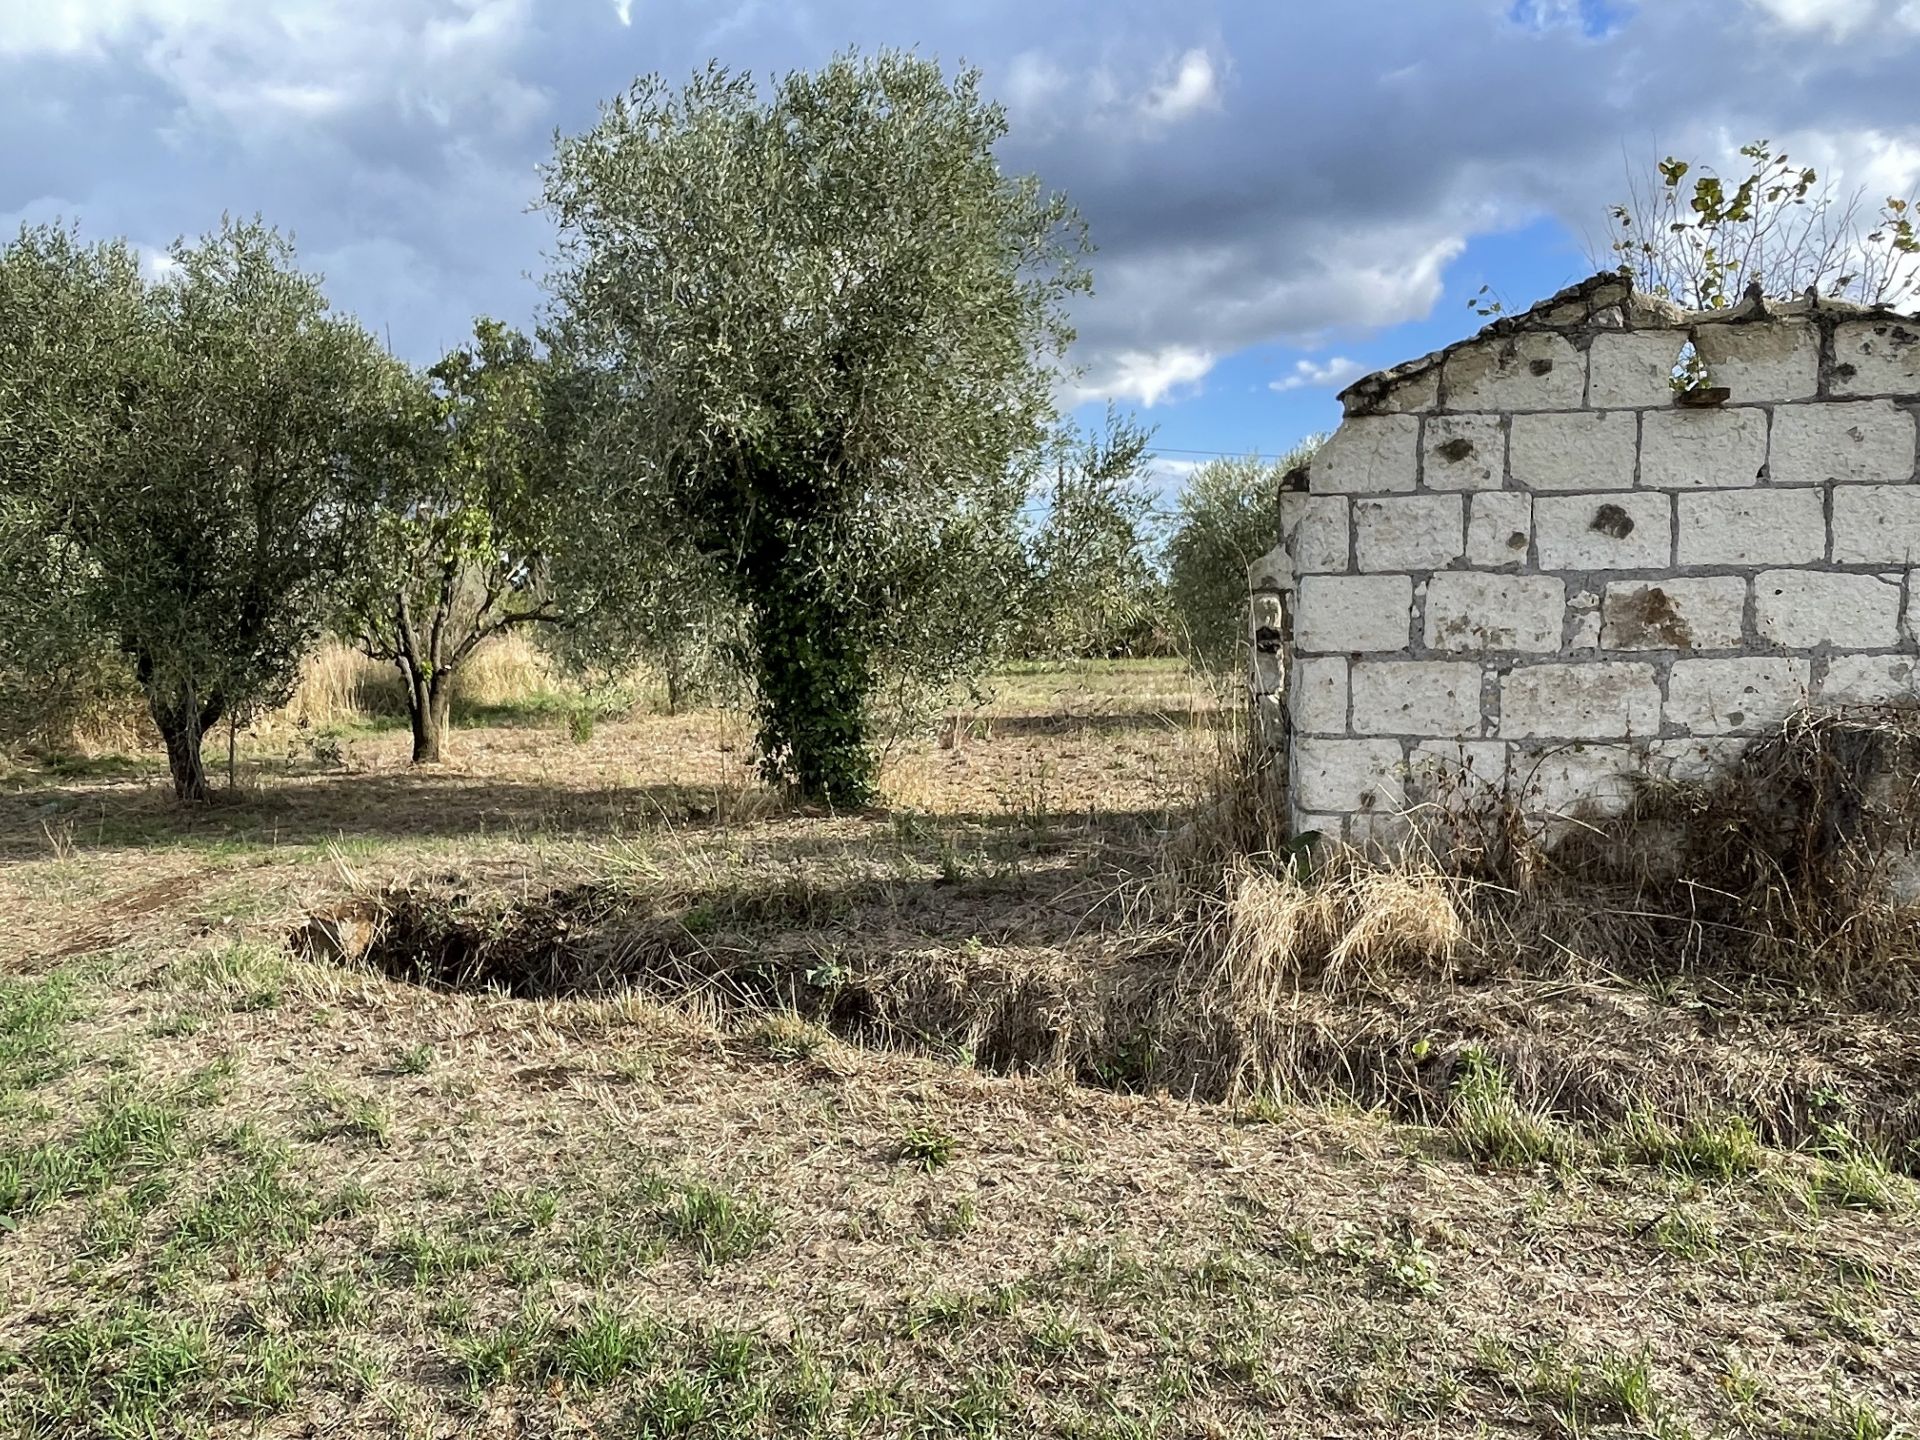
{"x": 1488, "y": 1123}
{"x": 718, "y": 1225}
{"x": 131, "y": 1139}
{"x": 34, "y": 1016}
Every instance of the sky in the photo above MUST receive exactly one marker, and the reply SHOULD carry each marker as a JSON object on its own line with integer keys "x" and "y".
{"x": 1285, "y": 194}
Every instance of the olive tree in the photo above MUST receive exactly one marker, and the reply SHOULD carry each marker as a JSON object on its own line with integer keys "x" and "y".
{"x": 825, "y": 323}
{"x": 1095, "y": 586}
{"x": 1227, "y": 517}
{"x": 187, "y": 455}
{"x": 457, "y": 552}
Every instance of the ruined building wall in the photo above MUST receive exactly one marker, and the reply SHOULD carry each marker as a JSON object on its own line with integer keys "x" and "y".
{"x": 1526, "y": 561}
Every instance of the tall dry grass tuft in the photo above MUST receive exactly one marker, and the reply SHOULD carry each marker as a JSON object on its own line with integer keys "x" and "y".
{"x": 340, "y": 686}
{"x": 1278, "y": 929}
{"x": 508, "y": 670}
{"x": 1275, "y": 944}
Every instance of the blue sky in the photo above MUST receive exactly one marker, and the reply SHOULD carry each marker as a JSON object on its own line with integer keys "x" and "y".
{"x": 1284, "y": 195}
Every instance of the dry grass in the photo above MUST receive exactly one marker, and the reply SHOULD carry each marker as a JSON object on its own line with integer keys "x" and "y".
{"x": 339, "y": 686}
{"x": 714, "y": 1169}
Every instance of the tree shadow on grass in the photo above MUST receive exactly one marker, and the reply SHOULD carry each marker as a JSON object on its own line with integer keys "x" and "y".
{"x": 426, "y": 805}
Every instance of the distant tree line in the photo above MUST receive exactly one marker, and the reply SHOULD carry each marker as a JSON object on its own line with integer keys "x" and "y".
{"x": 789, "y": 425}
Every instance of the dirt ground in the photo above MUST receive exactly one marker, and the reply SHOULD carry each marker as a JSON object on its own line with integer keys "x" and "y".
{"x": 254, "y": 1188}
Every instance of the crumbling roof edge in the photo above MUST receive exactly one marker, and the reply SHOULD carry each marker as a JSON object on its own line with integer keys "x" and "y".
{"x": 1585, "y": 305}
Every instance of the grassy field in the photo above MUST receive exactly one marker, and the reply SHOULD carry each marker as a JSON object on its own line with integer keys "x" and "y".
{"x": 790, "y": 1124}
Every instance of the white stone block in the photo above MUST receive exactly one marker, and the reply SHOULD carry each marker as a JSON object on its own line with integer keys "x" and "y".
{"x": 1318, "y": 695}
{"x": 1607, "y": 699}
{"x": 1694, "y": 758}
{"x": 1344, "y": 613}
{"x": 1707, "y": 613}
{"x": 1345, "y": 776}
{"x": 1583, "y": 621}
{"x": 1272, "y": 571}
{"x": 1574, "y": 782}
{"x": 1690, "y": 449}
{"x": 1577, "y": 451}
{"x": 1870, "y": 679}
{"x": 1481, "y": 762}
{"x": 1859, "y": 440}
{"x": 1628, "y": 531}
{"x": 1877, "y": 357}
{"x": 1499, "y": 528}
{"x": 1762, "y": 361}
{"x": 1721, "y": 697}
{"x": 1416, "y": 697}
{"x": 1331, "y": 829}
{"x": 1368, "y": 455}
{"x": 1632, "y": 371}
{"x": 1412, "y": 395}
{"x": 1314, "y": 530}
{"x": 1752, "y": 527}
{"x": 1464, "y": 452}
{"x": 1470, "y": 610}
{"x": 1408, "y": 532}
{"x": 1798, "y": 609}
{"x": 1876, "y": 524}
{"x": 1537, "y": 371}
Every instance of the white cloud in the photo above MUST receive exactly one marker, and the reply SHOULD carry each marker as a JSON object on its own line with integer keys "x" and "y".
{"x": 1148, "y": 376}
{"x": 248, "y": 65}
{"x": 1193, "y": 87}
{"x": 623, "y": 11}
{"x": 1336, "y": 371}
{"x": 79, "y": 27}
{"x": 1839, "y": 17}
{"x": 1033, "y": 81}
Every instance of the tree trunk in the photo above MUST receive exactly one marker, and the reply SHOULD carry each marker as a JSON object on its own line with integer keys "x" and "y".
{"x": 183, "y": 723}
{"x": 430, "y": 711}
{"x": 814, "y": 684}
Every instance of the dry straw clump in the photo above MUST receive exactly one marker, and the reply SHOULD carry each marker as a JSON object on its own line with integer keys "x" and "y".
{"x": 1796, "y": 865}
{"x": 1276, "y": 943}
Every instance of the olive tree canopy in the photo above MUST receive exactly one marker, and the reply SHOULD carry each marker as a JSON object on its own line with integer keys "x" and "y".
{"x": 1228, "y": 517}
{"x": 824, "y": 325}
{"x": 185, "y": 455}
{"x": 462, "y": 522}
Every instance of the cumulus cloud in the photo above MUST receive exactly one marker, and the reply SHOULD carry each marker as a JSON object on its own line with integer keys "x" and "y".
{"x": 1148, "y": 376}
{"x": 1840, "y": 17}
{"x": 1333, "y": 372}
{"x": 400, "y": 139}
{"x": 1193, "y": 87}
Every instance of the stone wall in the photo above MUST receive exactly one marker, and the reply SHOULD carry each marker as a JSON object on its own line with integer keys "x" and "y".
{"x": 1528, "y": 563}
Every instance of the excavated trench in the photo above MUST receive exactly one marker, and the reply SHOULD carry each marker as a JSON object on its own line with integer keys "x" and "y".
{"x": 1019, "y": 983}
{"x": 995, "y": 985}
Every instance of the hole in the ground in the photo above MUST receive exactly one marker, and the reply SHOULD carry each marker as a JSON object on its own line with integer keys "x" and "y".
{"x": 1135, "y": 1019}
{"x": 1010, "y": 1008}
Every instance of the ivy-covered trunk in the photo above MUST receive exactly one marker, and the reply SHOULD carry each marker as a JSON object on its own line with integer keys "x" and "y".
{"x": 812, "y": 675}
{"x": 183, "y": 721}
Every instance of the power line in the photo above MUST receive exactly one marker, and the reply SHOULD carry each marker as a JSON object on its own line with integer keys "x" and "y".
{"x": 1222, "y": 454}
